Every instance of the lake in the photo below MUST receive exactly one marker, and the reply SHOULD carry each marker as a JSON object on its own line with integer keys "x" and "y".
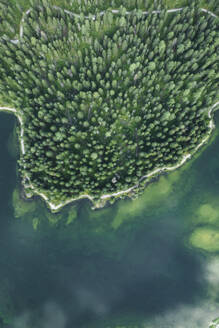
{"x": 129, "y": 265}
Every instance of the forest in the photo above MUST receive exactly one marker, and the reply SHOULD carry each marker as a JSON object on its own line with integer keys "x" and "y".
{"x": 12, "y": 10}
{"x": 106, "y": 99}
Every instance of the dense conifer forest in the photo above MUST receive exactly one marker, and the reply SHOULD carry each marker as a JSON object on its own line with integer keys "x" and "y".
{"x": 12, "y": 10}
{"x": 107, "y": 99}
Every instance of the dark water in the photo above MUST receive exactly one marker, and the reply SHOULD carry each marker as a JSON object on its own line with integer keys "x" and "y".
{"x": 129, "y": 265}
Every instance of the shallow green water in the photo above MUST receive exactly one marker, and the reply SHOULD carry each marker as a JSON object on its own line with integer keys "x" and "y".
{"x": 128, "y": 265}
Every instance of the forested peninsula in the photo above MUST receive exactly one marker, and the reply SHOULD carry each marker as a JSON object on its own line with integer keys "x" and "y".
{"x": 106, "y": 97}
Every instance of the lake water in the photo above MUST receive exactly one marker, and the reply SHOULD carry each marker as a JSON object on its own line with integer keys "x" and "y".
{"x": 129, "y": 265}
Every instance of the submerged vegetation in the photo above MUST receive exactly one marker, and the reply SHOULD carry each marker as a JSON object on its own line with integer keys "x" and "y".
{"x": 146, "y": 252}
{"x": 206, "y": 238}
{"x": 6, "y": 305}
{"x": 106, "y": 100}
{"x": 21, "y": 206}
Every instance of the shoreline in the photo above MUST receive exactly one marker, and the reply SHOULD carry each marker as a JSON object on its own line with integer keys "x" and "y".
{"x": 102, "y": 198}
{"x": 97, "y": 204}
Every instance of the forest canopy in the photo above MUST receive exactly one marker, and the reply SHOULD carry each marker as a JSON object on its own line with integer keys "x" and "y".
{"x": 106, "y": 99}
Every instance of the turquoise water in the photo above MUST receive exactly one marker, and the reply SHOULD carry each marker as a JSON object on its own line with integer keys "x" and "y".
{"x": 127, "y": 265}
